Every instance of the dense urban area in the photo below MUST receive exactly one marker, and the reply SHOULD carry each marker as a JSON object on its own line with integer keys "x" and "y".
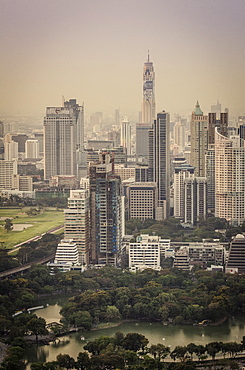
{"x": 130, "y": 221}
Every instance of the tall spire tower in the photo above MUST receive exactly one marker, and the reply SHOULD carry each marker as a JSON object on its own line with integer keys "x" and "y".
{"x": 148, "y": 105}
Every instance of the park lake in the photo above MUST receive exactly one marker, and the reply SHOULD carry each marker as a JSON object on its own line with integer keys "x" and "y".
{"x": 231, "y": 330}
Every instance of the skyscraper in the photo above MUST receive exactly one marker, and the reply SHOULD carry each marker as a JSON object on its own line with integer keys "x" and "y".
{"x": 195, "y": 199}
{"x": 159, "y": 162}
{"x": 11, "y": 150}
{"x": 229, "y": 178}
{"x": 32, "y": 148}
{"x": 126, "y": 135}
{"x": 105, "y": 211}
{"x": 77, "y": 221}
{"x": 142, "y": 141}
{"x": 148, "y": 104}
{"x": 63, "y": 139}
{"x": 199, "y": 140}
{"x": 180, "y": 174}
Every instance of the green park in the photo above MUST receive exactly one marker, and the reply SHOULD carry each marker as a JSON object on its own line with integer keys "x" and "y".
{"x": 21, "y": 224}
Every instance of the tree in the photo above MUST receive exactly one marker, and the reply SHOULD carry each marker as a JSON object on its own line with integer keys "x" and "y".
{"x": 83, "y": 361}
{"x": 37, "y": 325}
{"x": 83, "y": 319}
{"x": 65, "y": 361}
{"x": 200, "y": 350}
{"x": 213, "y": 348}
{"x": 8, "y": 225}
{"x": 159, "y": 351}
{"x": 179, "y": 352}
{"x": 135, "y": 342}
{"x": 112, "y": 313}
{"x": 98, "y": 345}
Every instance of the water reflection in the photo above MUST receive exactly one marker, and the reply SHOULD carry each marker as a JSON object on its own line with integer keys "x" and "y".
{"x": 169, "y": 335}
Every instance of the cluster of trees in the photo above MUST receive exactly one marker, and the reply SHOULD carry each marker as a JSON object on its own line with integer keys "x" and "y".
{"x": 169, "y": 295}
{"x": 15, "y": 201}
{"x": 21, "y": 325}
{"x": 110, "y": 294}
{"x": 171, "y": 229}
{"x": 132, "y": 352}
{"x": 29, "y": 252}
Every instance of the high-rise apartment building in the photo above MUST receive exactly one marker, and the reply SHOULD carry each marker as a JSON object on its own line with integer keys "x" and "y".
{"x": 32, "y": 148}
{"x": 7, "y": 170}
{"x": 126, "y": 135}
{"x": 180, "y": 174}
{"x": 199, "y": 140}
{"x": 159, "y": 161}
{"x": 63, "y": 139}
{"x": 11, "y": 150}
{"x": 40, "y": 137}
{"x": 77, "y": 221}
{"x": 105, "y": 211}
{"x": 148, "y": 104}
{"x": 229, "y": 178}
{"x": 210, "y": 175}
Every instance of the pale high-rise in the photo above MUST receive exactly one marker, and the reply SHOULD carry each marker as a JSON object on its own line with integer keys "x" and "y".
{"x": 229, "y": 179}
{"x": 32, "y": 148}
{"x": 63, "y": 139}
{"x": 77, "y": 221}
{"x": 148, "y": 104}
{"x": 126, "y": 135}
{"x": 199, "y": 140}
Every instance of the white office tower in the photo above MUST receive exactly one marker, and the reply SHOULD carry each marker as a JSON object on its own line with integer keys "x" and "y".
{"x": 199, "y": 140}
{"x": 195, "y": 199}
{"x": 126, "y": 135}
{"x": 63, "y": 139}
{"x": 148, "y": 104}
{"x": 10, "y": 150}
{"x": 229, "y": 179}
{"x": 66, "y": 253}
{"x": 159, "y": 162}
{"x": 77, "y": 221}
{"x": 145, "y": 253}
{"x": 181, "y": 173}
{"x": 32, "y": 148}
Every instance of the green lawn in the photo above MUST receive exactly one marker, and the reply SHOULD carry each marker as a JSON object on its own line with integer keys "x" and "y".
{"x": 41, "y": 223}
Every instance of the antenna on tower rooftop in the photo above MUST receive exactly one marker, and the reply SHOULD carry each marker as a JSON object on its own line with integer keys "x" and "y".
{"x": 148, "y": 56}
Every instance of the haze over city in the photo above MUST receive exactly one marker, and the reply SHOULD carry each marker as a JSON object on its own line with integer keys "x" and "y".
{"x": 94, "y": 51}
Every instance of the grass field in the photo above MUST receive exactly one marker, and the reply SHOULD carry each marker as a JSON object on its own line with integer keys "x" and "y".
{"x": 41, "y": 223}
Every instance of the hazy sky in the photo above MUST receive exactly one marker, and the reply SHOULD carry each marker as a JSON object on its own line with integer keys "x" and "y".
{"x": 94, "y": 50}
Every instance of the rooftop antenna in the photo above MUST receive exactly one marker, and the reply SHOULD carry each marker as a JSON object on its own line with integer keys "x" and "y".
{"x": 148, "y": 56}
{"x": 63, "y": 101}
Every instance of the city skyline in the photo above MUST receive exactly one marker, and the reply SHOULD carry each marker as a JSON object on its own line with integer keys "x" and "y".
{"x": 95, "y": 51}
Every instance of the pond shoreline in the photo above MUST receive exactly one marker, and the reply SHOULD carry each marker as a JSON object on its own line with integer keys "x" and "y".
{"x": 46, "y": 339}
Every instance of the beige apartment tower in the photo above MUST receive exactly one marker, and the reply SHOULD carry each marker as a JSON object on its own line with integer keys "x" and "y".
{"x": 229, "y": 179}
